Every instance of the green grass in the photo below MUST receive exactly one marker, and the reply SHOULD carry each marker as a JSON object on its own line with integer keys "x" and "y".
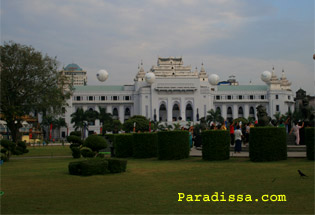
{"x": 38, "y": 151}
{"x": 43, "y": 186}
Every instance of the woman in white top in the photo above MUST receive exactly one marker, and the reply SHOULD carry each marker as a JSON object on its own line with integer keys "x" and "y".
{"x": 296, "y": 130}
{"x": 238, "y": 139}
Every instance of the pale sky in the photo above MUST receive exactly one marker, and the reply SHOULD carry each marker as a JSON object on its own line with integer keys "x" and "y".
{"x": 231, "y": 37}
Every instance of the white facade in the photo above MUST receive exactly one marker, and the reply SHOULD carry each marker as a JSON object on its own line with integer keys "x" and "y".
{"x": 179, "y": 94}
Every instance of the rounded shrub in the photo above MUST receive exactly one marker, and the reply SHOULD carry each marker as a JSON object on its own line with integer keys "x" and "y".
{"x": 173, "y": 145}
{"x": 267, "y": 144}
{"x": 4, "y": 150}
{"x": 87, "y": 152}
{"x": 7, "y": 144}
{"x": 74, "y": 139}
{"x": 76, "y": 153}
{"x": 75, "y": 133}
{"x": 22, "y": 146}
{"x": 123, "y": 145}
{"x": 116, "y": 165}
{"x": 145, "y": 145}
{"x": 310, "y": 142}
{"x": 215, "y": 145}
{"x": 95, "y": 142}
{"x": 93, "y": 166}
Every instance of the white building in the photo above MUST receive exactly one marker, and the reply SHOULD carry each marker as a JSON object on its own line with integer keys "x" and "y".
{"x": 74, "y": 74}
{"x": 179, "y": 94}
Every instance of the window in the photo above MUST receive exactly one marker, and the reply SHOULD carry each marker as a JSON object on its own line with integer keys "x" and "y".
{"x": 102, "y": 98}
{"x": 217, "y": 97}
{"x": 277, "y": 108}
{"x": 229, "y": 97}
{"x": 289, "y": 97}
{"x": 277, "y": 97}
{"x": 251, "y": 97}
{"x": 91, "y": 98}
{"x": 262, "y": 97}
{"x": 127, "y": 98}
{"x": 240, "y": 97}
{"x": 78, "y": 98}
{"x": 115, "y": 98}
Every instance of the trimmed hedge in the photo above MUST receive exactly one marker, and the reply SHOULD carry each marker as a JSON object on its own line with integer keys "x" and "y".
{"x": 116, "y": 165}
{"x": 123, "y": 145}
{"x": 87, "y": 152}
{"x": 97, "y": 166}
{"x": 145, "y": 145}
{"x": 95, "y": 142}
{"x": 310, "y": 142}
{"x": 74, "y": 139}
{"x": 267, "y": 144}
{"x": 76, "y": 153}
{"x": 215, "y": 145}
{"x": 94, "y": 166}
{"x": 173, "y": 145}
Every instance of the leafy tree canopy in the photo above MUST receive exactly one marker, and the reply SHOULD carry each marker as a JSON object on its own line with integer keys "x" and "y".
{"x": 30, "y": 82}
{"x": 142, "y": 124}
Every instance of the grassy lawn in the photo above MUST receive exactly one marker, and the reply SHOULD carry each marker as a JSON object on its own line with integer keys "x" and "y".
{"x": 43, "y": 186}
{"x": 38, "y": 151}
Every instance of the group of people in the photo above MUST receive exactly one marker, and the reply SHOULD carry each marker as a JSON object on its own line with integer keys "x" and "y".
{"x": 239, "y": 133}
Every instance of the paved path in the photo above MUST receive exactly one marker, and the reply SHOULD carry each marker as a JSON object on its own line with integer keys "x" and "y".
{"x": 197, "y": 153}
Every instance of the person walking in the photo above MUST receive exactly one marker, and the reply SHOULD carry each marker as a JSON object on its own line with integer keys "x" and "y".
{"x": 238, "y": 139}
{"x": 296, "y": 130}
{"x": 231, "y": 127}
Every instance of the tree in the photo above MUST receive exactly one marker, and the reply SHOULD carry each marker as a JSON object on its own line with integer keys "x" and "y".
{"x": 59, "y": 123}
{"x": 79, "y": 120}
{"x": 105, "y": 118}
{"x": 29, "y": 83}
{"x": 214, "y": 116}
{"x": 142, "y": 124}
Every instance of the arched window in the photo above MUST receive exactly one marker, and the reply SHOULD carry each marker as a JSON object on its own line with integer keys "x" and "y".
{"x": 175, "y": 112}
{"x": 251, "y": 111}
{"x": 229, "y": 111}
{"x": 240, "y": 112}
{"x": 127, "y": 112}
{"x": 189, "y": 112}
{"x": 163, "y": 113}
{"x": 115, "y": 113}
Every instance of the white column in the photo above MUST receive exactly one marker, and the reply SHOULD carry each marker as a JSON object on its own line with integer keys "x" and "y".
{"x": 224, "y": 111}
{"x": 246, "y": 111}
{"x": 169, "y": 110}
{"x": 235, "y": 111}
{"x": 109, "y": 109}
{"x": 121, "y": 113}
{"x": 182, "y": 109}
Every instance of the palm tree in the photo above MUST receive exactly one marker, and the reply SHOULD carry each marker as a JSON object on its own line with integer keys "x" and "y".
{"x": 176, "y": 126}
{"x": 104, "y": 117}
{"x": 277, "y": 117}
{"x": 79, "y": 119}
{"x": 59, "y": 123}
{"x": 214, "y": 116}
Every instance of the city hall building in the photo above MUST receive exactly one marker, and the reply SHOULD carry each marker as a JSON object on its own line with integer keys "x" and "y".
{"x": 176, "y": 93}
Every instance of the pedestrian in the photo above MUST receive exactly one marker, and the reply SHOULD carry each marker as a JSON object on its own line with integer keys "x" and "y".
{"x": 247, "y": 131}
{"x": 296, "y": 130}
{"x": 232, "y": 132}
{"x": 238, "y": 139}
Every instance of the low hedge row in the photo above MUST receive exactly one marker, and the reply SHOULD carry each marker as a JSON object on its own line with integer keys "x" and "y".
{"x": 310, "y": 142}
{"x": 267, "y": 144}
{"x": 97, "y": 166}
{"x": 173, "y": 145}
{"x": 145, "y": 145}
{"x": 215, "y": 145}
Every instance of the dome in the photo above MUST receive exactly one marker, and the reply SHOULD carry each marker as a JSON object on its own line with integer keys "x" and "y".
{"x": 265, "y": 76}
{"x": 214, "y": 79}
{"x": 149, "y": 77}
{"x": 73, "y": 67}
{"x": 102, "y": 75}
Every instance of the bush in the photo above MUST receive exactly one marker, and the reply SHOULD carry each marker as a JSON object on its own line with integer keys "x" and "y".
{"x": 76, "y": 153}
{"x": 92, "y": 166}
{"x": 4, "y": 157}
{"x": 87, "y": 152}
{"x": 144, "y": 145}
{"x": 75, "y": 133}
{"x": 117, "y": 165}
{"x": 22, "y": 146}
{"x": 267, "y": 144}
{"x": 110, "y": 137}
{"x": 215, "y": 145}
{"x": 7, "y": 144}
{"x": 310, "y": 142}
{"x": 4, "y": 150}
{"x": 173, "y": 145}
{"x": 95, "y": 143}
{"x": 142, "y": 124}
{"x": 123, "y": 145}
{"x": 18, "y": 150}
{"x": 74, "y": 139}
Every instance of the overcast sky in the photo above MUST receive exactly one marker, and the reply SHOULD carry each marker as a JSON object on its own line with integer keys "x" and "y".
{"x": 231, "y": 37}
